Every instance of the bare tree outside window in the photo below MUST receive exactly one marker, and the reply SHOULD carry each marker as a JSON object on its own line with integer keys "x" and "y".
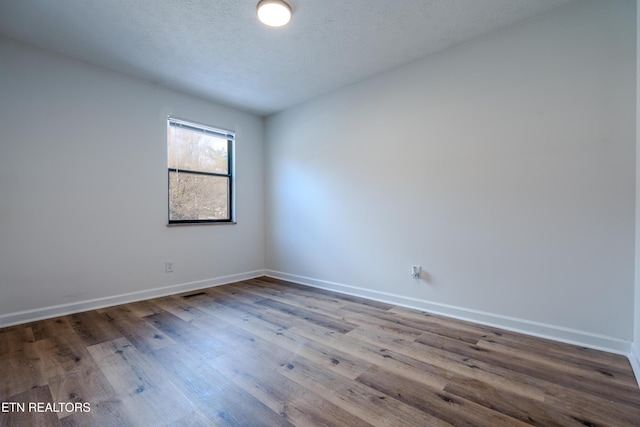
{"x": 200, "y": 173}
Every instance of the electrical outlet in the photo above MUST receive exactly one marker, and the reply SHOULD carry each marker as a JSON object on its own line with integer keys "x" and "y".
{"x": 415, "y": 271}
{"x": 168, "y": 266}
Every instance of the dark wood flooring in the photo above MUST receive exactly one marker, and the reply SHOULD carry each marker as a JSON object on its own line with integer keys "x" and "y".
{"x": 265, "y": 352}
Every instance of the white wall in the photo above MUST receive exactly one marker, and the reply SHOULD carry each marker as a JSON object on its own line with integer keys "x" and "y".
{"x": 635, "y": 352}
{"x": 504, "y": 166}
{"x": 83, "y": 188}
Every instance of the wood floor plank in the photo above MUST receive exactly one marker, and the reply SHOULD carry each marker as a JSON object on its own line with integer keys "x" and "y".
{"x": 439, "y": 403}
{"x": 284, "y": 295}
{"x": 138, "y": 308}
{"x": 194, "y": 419}
{"x": 312, "y": 298}
{"x": 145, "y": 392}
{"x": 379, "y": 355}
{"x": 297, "y": 404}
{"x": 308, "y": 315}
{"x": 561, "y": 350}
{"x": 258, "y": 372}
{"x": 531, "y": 411}
{"x": 589, "y": 372}
{"x": 52, "y": 327}
{"x": 325, "y": 302}
{"x": 182, "y": 332}
{"x": 142, "y": 334}
{"x": 408, "y": 323}
{"x": 220, "y": 399}
{"x": 376, "y": 324}
{"x": 330, "y": 358}
{"x": 14, "y": 339}
{"x": 328, "y": 295}
{"x": 93, "y": 328}
{"x": 617, "y": 372}
{"x": 21, "y": 370}
{"x": 73, "y": 376}
{"x": 456, "y": 329}
{"x": 587, "y": 408}
{"x": 457, "y": 365}
{"x": 84, "y": 382}
{"x": 533, "y": 368}
{"x": 62, "y": 354}
{"x": 177, "y": 305}
{"x": 30, "y": 417}
{"x": 110, "y": 412}
{"x": 266, "y": 352}
{"x": 362, "y": 401}
{"x": 245, "y": 303}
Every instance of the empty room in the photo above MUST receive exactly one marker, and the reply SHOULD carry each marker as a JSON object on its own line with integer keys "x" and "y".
{"x": 319, "y": 213}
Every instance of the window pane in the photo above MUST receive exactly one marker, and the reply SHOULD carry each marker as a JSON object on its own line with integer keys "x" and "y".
{"x": 197, "y": 151}
{"x": 198, "y": 197}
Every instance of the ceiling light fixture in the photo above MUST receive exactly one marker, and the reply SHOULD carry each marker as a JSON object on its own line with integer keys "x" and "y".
{"x": 274, "y": 13}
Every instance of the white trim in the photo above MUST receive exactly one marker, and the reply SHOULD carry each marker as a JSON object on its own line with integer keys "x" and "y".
{"x": 634, "y": 359}
{"x": 528, "y": 327}
{"x": 76, "y": 307}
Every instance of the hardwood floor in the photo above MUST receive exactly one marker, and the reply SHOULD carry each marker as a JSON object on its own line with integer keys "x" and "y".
{"x": 265, "y": 352}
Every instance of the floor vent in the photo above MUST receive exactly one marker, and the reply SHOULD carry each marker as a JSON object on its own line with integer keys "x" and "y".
{"x": 197, "y": 294}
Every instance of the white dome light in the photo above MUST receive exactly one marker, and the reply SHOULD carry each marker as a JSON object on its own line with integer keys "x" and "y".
{"x": 274, "y": 13}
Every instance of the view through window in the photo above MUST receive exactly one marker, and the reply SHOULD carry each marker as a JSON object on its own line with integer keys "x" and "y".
{"x": 200, "y": 173}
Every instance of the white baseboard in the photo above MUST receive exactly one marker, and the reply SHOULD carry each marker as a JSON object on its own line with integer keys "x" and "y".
{"x": 76, "y": 307}
{"x": 542, "y": 330}
{"x": 634, "y": 359}
{"x": 557, "y": 333}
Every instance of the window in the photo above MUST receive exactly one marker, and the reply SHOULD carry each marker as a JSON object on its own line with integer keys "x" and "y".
{"x": 200, "y": 173}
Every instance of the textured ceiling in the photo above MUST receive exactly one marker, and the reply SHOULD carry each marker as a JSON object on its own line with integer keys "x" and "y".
{"x": 217, "y": 49}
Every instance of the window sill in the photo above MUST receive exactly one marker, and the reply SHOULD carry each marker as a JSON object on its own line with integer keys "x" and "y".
{"x": 189, "y": 224}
